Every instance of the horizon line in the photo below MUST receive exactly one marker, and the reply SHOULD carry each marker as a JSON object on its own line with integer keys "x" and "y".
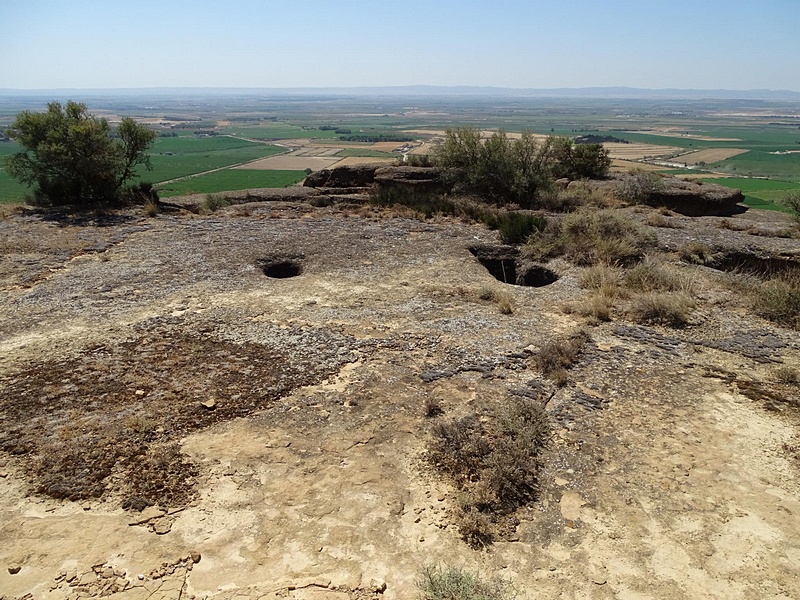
{"x": 403, "y": 86}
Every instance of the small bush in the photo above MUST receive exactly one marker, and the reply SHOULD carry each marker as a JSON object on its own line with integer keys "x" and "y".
{"x": 451, "y": 583}
{"x": 601, "y": 277}
{"x": 696, "y": 253}
{"x": 151, "y": 209}
{"x": 504, "y": 300}
{"x": 787, "y": 375}
{"x": 596, "y": 308}
{"x": 213, "y": 202}
{"x": 433, "y": 407}
{"x": 425, "y": 203}
{"x": 517, "y": 227}
{"x": 636, "y": 186}
{"x": 495, "y": 462}
{"x": 778, "y": 299}
{"x": 555, "y": 357}
{"x": 653, "y": 276}
{"x": 791, "y": 200}
{"x": 670, "y": 308}
{"x": 591, "y": 237}
{"x": 418, "y": 160}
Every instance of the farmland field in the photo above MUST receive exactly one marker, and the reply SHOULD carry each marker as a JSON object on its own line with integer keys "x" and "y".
{"x": 10, "y": 189}
{"x": 202, "y": 157}
{"x": 733, "y": 138}
{"x": 366, "y": 152}
{"x": 710, "y": 155}
{"x": 759, "y": 193}
{"x": 232, "y": 179}
{"x": 290, "y": 162}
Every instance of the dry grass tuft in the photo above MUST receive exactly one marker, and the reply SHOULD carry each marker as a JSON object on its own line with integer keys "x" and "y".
{"x": 659, "y": 308}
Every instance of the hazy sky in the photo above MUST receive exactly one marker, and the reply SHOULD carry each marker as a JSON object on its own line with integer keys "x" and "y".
{"x": 733, "y": 44}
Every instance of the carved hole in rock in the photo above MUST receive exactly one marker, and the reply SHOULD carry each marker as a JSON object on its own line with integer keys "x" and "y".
{"x": 744, "y": 262}
{"x": 281, "y": 269}
{"x": 536, "y": 276}
{"x": 504, "y": 264}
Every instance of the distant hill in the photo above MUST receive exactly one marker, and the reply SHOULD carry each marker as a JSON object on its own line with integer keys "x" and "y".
{"x": 429, "y": 90}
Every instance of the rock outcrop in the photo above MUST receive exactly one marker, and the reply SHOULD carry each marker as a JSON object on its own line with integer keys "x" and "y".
{"x": 696, "y": 198}
{"x": 358, "y": 178}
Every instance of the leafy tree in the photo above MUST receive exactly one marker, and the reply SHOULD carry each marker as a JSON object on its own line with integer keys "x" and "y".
{"x": 72, "y": 157}
{"x": 791, "y": 200}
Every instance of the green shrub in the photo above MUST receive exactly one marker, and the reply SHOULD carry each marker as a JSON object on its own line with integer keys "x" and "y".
{"x": 791, "y": 200}
{"x": 425, "y": 203}
{"x": 213, "y": 202}
{"x": 519, "y": 171}
{"x": 517, "y": 227}
{"x": 451, "y": 583}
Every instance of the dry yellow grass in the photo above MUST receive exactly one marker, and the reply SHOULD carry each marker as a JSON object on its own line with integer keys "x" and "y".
{"x": 709, "y": 155}
{"x": 290, "y": 163}
{"x": 619, "y": 165}
{"x": 352, "y": 161}
{"x": 638, "y": 151}
{"x": 387, "y": 146}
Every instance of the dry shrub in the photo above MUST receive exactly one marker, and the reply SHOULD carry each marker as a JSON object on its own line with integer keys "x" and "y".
{"x": 451, "y": 583}
{"x": 578, "y": 194}
{"x": 503, "y": 299}
{"x": 637, "y": 185}
{"x": 778, "y": 299}
{"x": 786, "y": 374}
{"x": 151, "y": 208}
{"x": 598, "y": 307}
{"x": 591, "y": 237}
{"x": 658, "y": 220}
{"x": 732, "y": 226}
{"x": 495, "y": 462}
{"x": 654, "y": 276}
{"x": 670, "y": 308}
{"x": 162, "y": 477}
{"x": 696, "y": 253}
{"x": 433, "y": 407}
{"x": 555, "y": 357}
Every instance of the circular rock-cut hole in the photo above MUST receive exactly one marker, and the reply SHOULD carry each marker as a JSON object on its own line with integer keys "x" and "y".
{"x": 536, "y": 276}
{"x": 281, "y": 269}
{"x": 504, "y": 264}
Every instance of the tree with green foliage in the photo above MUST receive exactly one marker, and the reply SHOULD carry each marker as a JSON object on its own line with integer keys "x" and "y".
{"x": 70, "y": 157}
{"x": 791, "y": 200}
{"x": 518, "y": 171}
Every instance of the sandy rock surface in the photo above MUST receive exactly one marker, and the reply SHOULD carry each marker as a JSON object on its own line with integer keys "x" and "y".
{"x": 286, "y": 416}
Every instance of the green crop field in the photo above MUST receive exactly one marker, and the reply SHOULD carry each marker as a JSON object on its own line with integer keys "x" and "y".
{"x": 759, "y": 193}
{"x": 764, "y": 164}
{"x": 10, "y": 189}
{"x": 192, "y": 143}
{"x": 261, "y": 130}
{"x": 230, "y": 180}
{"x": 204, "y": 157}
